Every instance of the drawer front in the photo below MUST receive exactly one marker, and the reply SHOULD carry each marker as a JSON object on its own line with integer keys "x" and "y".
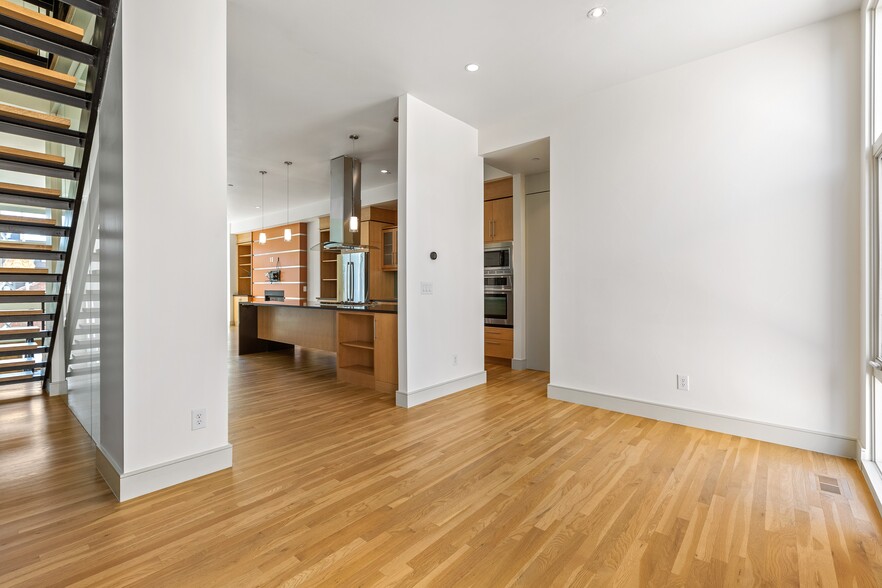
{"x": 498, "y": 334}
{"x": 497, "y": 348}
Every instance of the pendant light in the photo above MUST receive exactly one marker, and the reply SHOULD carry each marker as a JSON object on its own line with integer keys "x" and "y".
{"x": 353, "y": 220}
{"x": 261, "y": 238}
{"x": 288, "y": 201}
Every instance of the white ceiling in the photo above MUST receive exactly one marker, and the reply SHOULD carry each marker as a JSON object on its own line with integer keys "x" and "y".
{"x": 304, "y": 75}
{"x": 529, "y": 158}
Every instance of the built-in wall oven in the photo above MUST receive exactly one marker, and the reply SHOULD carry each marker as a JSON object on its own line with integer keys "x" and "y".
{"x": 498, "y": 300}
{"x": 497, "y": 258}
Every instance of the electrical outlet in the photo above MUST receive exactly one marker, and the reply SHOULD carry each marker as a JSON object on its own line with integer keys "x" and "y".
{"x": 455, "y": 360}
{"x": 426, "y": 288}
{"x": 197, "y": 419}
{"x": 683, "y": 383}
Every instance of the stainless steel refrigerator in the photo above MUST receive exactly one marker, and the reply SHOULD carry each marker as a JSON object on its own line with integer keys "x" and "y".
{"x": 352, "y": 278}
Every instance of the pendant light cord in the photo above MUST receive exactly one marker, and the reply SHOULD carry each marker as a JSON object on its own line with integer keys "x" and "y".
{"x": 262, "y": 200}
{"x": 288, "y": 191}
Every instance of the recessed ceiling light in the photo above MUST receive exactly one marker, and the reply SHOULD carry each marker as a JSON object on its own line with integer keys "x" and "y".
{"x": 385, "y": 171}
{"x": 256, "y": 207}
{"x": 596, "y": 13}
{"x": 473, "y": 67}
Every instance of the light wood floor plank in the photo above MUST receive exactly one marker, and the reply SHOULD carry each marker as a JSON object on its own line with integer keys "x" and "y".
{"x": 498, "y": 486}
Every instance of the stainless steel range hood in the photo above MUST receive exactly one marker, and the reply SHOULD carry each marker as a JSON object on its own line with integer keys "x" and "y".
{"x": 345, "y": 203}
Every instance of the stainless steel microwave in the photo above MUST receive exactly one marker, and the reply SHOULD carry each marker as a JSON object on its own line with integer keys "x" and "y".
{"x": 497, "y": 258}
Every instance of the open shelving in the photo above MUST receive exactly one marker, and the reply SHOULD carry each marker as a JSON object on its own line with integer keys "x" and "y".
{"x": 329, "y": 266}
{"x": 243, "y": 250}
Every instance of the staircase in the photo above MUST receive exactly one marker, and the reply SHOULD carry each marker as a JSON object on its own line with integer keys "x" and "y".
{"x": 53, "y": 59}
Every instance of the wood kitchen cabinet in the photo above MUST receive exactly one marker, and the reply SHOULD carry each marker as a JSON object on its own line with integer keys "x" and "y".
{"x": 498, "y": 220}
{"x": 390, "y": 249}
{"x": 374, "y": 226}
{"x": 498, "y": 342}
{"x": 386, "y": 352}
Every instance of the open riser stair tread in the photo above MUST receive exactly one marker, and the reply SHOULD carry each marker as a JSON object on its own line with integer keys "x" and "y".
{"x": 30, "y": 191}
{"x": 31, "y": 316}
{"x": 41, "y": 21}
{"x": 39, "y": 166}
{"x": 18, "y": 377}
{"x": 36, "y": 72}
{"x": 31, "y": 351}
{"x": 23, "y": 270}
{"x": 33, "y": 156}
{"x": 43, "y": 298}
{"x": 33, "y": 116}
{"x": 30, "y": 252}
{"x": 6, "y": 335}
{"x": 32, "y": 278}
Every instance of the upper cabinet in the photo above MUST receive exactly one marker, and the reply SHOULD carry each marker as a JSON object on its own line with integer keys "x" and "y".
{"x": 375, "y": 227}
{"x": 498, "y": 210}
{"x": 390, "y": 249}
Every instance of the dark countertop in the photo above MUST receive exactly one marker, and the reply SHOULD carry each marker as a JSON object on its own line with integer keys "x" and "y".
{"x": 383, "y": 307}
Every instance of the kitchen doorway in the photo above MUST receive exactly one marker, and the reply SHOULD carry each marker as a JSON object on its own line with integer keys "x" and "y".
{"x": 517, "y": 211}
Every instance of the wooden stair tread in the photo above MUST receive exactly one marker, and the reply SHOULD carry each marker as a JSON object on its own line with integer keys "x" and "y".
{"x": 22, "y": 292}
{"x": 19, "y": 347}
{"x": 20, "y": 47}
{"x": 34, "y": 116}
{"x": 23, "y": 270}
{"x": 35, "y": 156}
{"x": 19, "y": 245}
{"x": 17, "y": 377}
{"x": 41, "y": 21}
{"x": 15, "y": 313}
{"x": 17, "y": 362}
{"x": 35, "y": 190}
{"x": 20, "y": 330}
{"x": 36, "y": 72}
{"x": 26, "y": 219}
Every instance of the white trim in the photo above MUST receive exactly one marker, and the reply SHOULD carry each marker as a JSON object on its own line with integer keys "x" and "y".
{"x": 411, "y": 399}
{"x": 780, "y": 434}
{"x": 518, "y": 364}
{"x": 150, "y": 479}
{"x": 872, "y": 475}
{"x": 58, "y": 388}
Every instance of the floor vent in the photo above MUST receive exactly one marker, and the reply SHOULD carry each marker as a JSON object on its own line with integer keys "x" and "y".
{"x": 828, "y": 484}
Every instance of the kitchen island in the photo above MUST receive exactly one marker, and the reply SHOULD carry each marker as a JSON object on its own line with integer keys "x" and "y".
{"x": 364, "y": 337}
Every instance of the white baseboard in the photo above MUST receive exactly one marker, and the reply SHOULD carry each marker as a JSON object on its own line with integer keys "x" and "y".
{"x": 780, "y": 434}
{"x": 144, "y": 481}
{"x": 410, "y": 399}
{"x": 519, "y": 364}
{"x": 57, "y": 388}
{"x": 872, "y": 475}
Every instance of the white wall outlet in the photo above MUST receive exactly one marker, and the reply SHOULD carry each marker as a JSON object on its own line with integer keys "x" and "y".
{"x": 197, "y": 419}
{"x": 683, "y": 383}
{"x": 426, "y": 288}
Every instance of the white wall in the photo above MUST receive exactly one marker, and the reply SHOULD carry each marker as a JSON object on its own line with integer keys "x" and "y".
{"x": 163, "y": 196}
{"x": 440, "y": 209}
{"x": 537, "y": 241}
{"x": 704, "y": 221}
{"x": 174, "y": 226}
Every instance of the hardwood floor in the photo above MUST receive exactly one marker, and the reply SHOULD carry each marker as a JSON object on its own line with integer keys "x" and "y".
{"x": 498, "y": 486}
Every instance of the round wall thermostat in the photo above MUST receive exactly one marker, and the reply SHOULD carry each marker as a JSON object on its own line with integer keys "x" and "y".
{"x": 433, "y": 255}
